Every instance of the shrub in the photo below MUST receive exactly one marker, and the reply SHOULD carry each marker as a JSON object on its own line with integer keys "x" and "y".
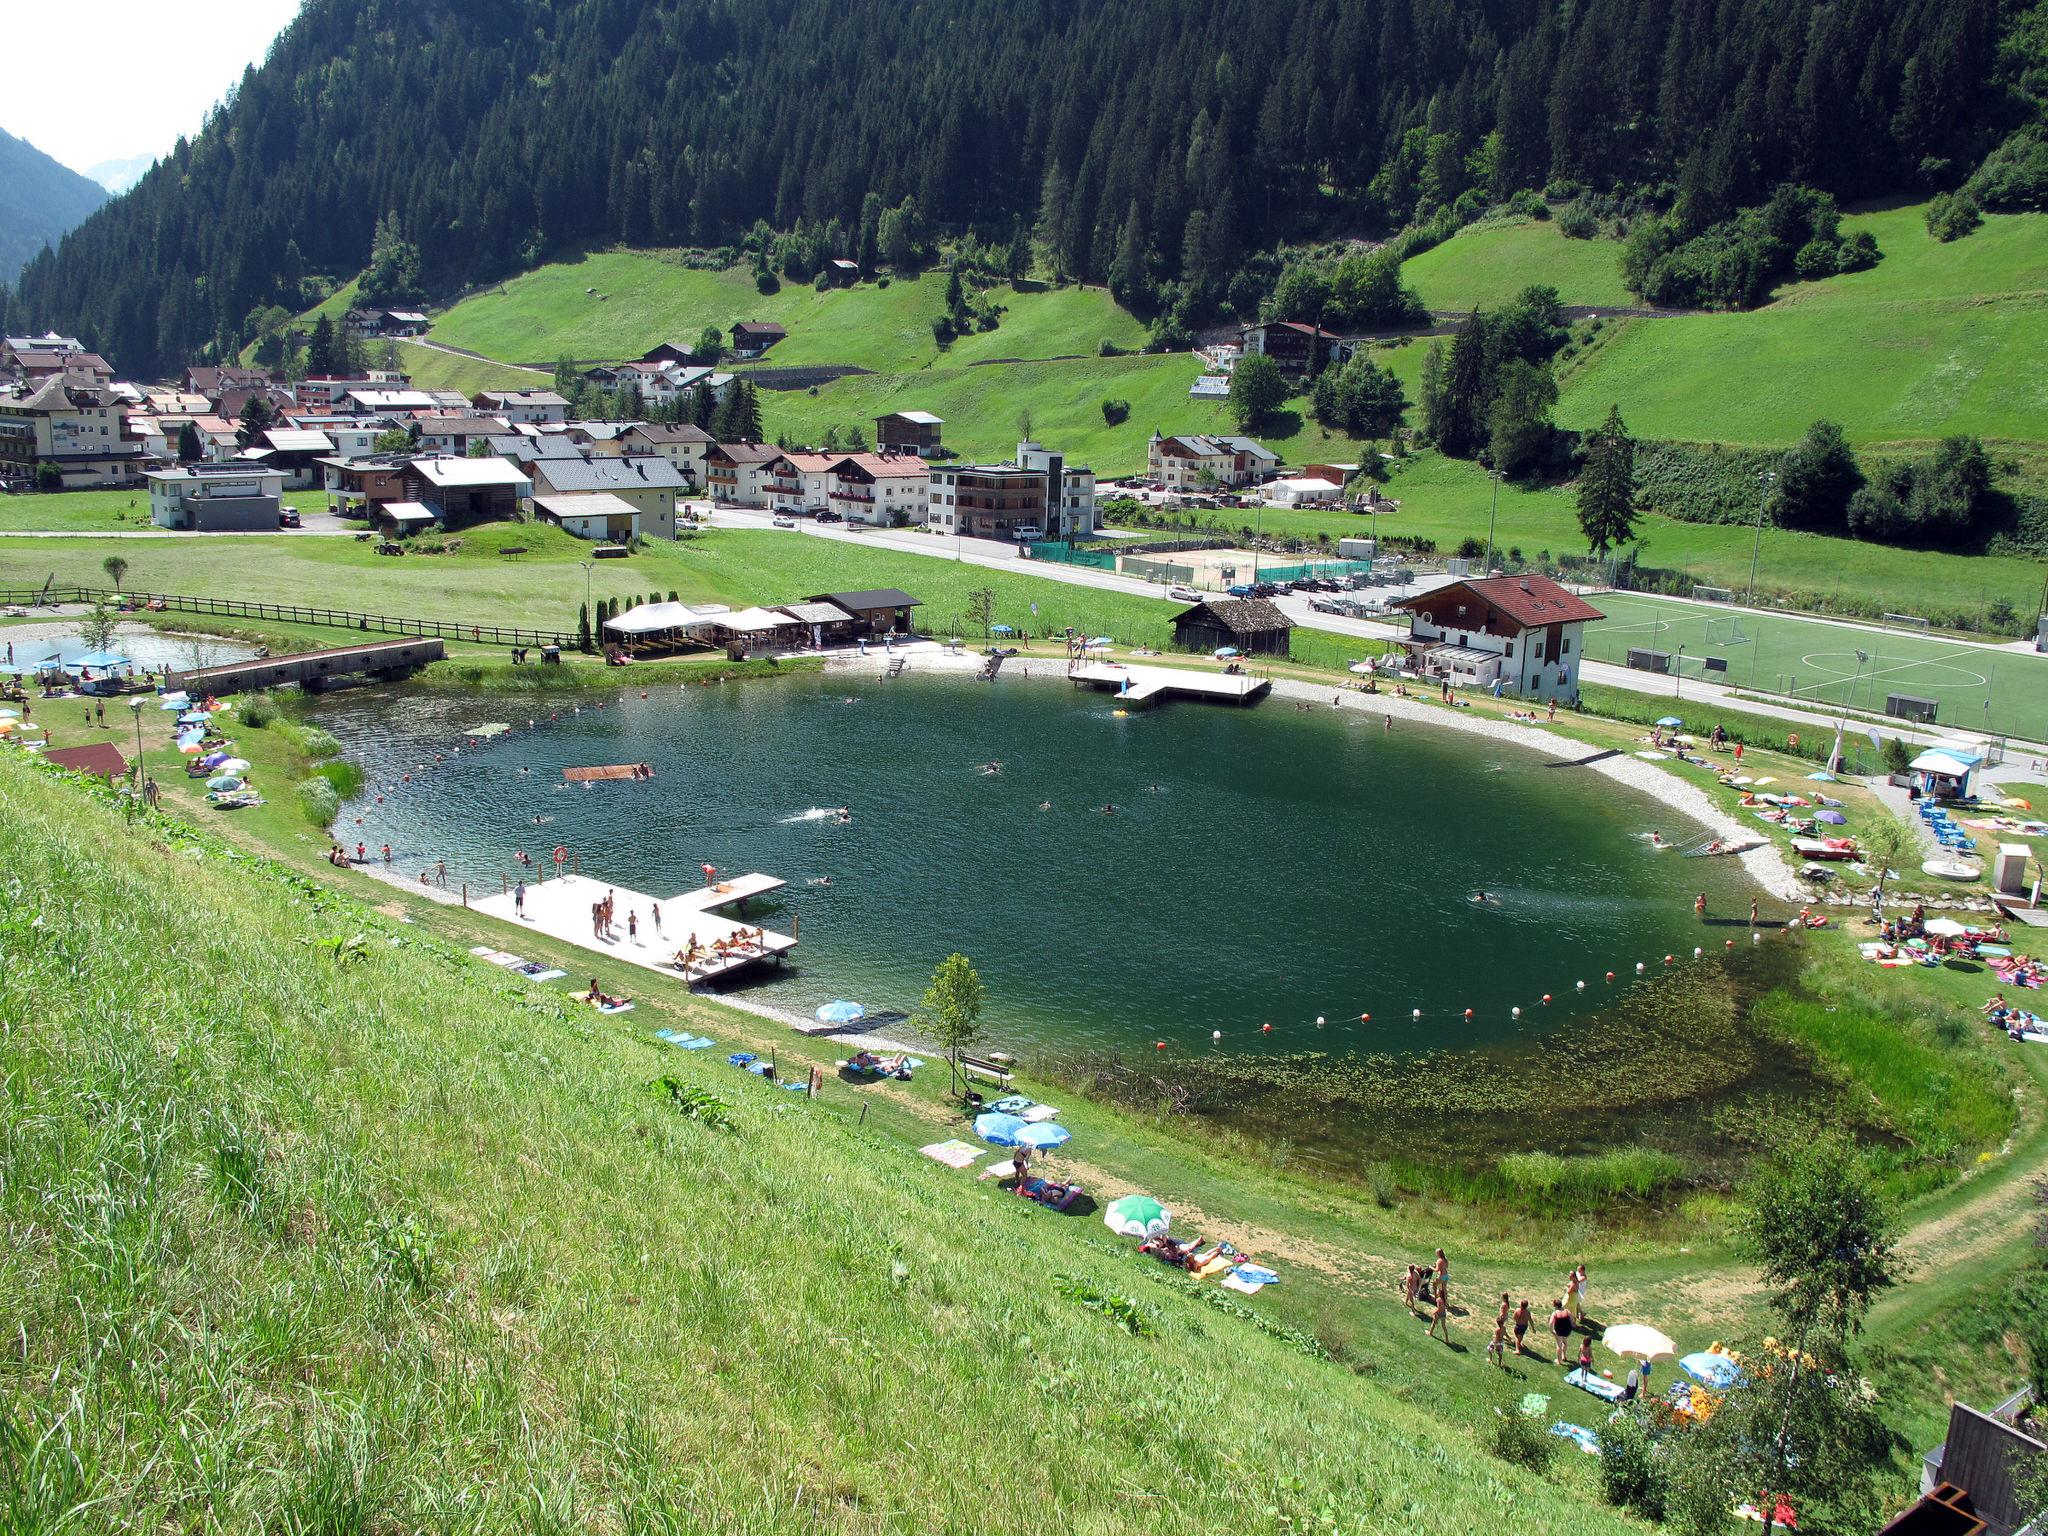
{"x": 942, "y": 329}
{"x": 1520, "y": 1440}
{"x": 1575, "y": 221}
{"x": 319, "y": 801}
{"x": 766, "y": 282}
{"x": 1952, "y": 215}
{"x": 257, "y": 711}
{"x": 1108, "y": 348}
{"x": 1115, "y": 412}
{"x": 345, "y": 776}
{"x": 1631, "y": 1473}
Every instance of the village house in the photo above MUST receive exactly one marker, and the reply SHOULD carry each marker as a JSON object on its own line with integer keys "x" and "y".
{"x": 463, "y": 491}
{"x": 382, "y": 400}
{"x": 683, "y": 444}
{"x": 534, "y": 406}
{"x": 216, "y": 498}
{"x": 35, "y": 366}
{"x": 327, "y": 391}
{"x": 881, "y": 490}
{"x": 73, "y": 424}
{"x": 357, "y": 487}
{"x": 524, "y": 450}
{"x": 1251, "y": 626}
{"x": 603, "y": 516}
{"x": 736, "y": 474}
{"x": 13, "y": 348}
{"x": 800, "y": 482}
{"x": 1036, "y": 496}
{"x": 1296, "y": 347}
{"x": 915, "y": 432}
{"x": 454, "y": 433}
{"x": 1520, "y": 635}
{"x": 750, "y": 338}
{"x": 1205, "y": 463}
{"x": 600, "y": 439}
{"x": 873, "y": 613}
{"x": 295, "y": 453}
{"x": 647, "y": 483}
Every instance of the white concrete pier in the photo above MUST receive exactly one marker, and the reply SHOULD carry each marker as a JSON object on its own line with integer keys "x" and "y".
{"x": 561, "y": 909}
{"x": 1138, "y": 686}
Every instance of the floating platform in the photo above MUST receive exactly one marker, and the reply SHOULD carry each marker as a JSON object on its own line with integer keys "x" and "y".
{"x": 560, "y": 908}
{"x": 609, "y": 771}
{"x": 1139, "y": 686}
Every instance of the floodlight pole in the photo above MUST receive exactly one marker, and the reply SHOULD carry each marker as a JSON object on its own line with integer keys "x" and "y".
{"x": 1678, "y": 673}
{"x": 135, "y": 708}
{"x": 1756, "y": 548}
{"x": 1491, "y": 518}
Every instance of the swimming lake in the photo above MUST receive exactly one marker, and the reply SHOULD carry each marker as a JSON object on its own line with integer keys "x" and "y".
{"x": 1261, "y": 866}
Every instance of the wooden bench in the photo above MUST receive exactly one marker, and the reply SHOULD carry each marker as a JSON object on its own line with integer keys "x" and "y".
{"x": 973, "y": 1066}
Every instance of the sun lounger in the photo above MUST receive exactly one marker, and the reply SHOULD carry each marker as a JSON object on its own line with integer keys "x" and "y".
{"x": 1599, "y": 1386}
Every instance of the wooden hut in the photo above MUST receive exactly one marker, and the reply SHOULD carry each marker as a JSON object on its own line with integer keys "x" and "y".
{"x": 1250, "y": 625}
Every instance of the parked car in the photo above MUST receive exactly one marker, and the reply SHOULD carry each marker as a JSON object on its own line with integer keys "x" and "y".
{"x": 784, "y": 522}
{"x": 829, "y": 517}
{"x": 1027, "y": 535}
{"x": 289, "y": 518}
{"x": 1185, "y": 594}
{"x": 1242, "y": 590}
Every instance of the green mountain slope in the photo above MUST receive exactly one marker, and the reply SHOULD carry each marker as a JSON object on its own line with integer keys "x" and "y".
{"x": 304, "y": 1234}
{"x": 40, "y": 201}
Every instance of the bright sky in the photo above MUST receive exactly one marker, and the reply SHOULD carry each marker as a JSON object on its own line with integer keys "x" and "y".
{"x": 112, "y": 79}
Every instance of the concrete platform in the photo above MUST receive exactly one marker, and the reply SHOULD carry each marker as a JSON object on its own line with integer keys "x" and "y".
{"x": 1139, "y": 686}
{"x": 560, "y": 909}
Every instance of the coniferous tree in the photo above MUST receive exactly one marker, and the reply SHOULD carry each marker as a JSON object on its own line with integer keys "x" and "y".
{"x": 323, "y": 351}
{"x": 1607, "y": 486}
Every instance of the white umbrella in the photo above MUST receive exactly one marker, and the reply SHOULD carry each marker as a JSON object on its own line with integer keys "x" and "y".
{"x": 1639, "y": 1340}
{"x": 1946, "y": 927}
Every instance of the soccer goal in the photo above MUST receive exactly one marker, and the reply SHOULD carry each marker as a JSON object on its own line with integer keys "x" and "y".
{"x": 1906, "y": 621}
{"x": 1728, "y": 631}
{"x": 1713, "y": 594}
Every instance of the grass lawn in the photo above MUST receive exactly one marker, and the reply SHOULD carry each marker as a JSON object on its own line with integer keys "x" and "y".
{"x": 1485, "y": 265}
{"x": 644, "y": 297}
{"x": 91, "y": 512}
{"x": 1935, "y": 339}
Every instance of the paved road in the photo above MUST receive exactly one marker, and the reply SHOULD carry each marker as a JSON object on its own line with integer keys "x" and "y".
{"x": 997, "y": 555}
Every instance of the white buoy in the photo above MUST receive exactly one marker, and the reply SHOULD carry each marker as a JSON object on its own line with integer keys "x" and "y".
{"x": 1417, "y": 1014}
{"x": 1320, "y": 1021}
{"x": 1696, "y": 951}
{"x": 1215, "y": 1034}
{"x": 1639, "y": 967}
{"x": 1755, "y": 937}
{"x": 1582, "y": 986}
{"x": 1516, "y": 1012}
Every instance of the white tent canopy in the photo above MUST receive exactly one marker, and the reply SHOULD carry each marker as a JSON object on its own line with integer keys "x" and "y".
{"x": 1950, "y": 762}
{"x": 653, "y": 618}
{"x": 755, "y": 621}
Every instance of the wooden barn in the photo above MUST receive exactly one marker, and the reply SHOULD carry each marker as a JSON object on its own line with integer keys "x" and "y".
{"x": 1251, "y": 625}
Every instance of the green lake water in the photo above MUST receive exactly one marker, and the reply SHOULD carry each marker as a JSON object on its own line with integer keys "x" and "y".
{"x": 1262, "y": 867}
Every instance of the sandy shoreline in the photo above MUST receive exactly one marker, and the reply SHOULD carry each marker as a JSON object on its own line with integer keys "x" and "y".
{"x": 1765, "y": 864}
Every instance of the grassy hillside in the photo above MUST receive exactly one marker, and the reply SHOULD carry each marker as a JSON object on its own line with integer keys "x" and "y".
{"x": 431, "y": 368}
{"x": 1934, "y": 339}
{"x": 644, "y": 297}
{"x": 292, "y": 1250}
{"x": 1484, "y": 266}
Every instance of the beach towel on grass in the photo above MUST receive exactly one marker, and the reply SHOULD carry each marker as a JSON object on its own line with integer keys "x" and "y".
{"x": 954, "y": 1154}
{"x": 1584, "y": 1439}
{"x": 1039, "y": 1112}
{"x": 1599, "y": 1386}
{"x": 614, "y": 1007}
{"x": 1015, "y": 1104}
{"x": 1236, "y": 1282}
{"x": 542, "y": 975}
{"x": 1257, "y": 1274}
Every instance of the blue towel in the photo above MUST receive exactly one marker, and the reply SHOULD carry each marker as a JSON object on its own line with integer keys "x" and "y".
{"x": 1599, "y": 1386}
{"x": 1256, "y": 1274}
{"x": 701, "y": 1043}
{"x": 795, "y": 1087}
{"x": 670, "y": 1036}
{"x": 741, "y": 1059}
{"x": 1584, "y": 1439}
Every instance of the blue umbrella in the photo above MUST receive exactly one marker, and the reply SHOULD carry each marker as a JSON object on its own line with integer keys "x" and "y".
{"x": 1671, "y": 720}
{"x": 1716, "y": 1371}
{"x": 1044, "y": 1136}
{"x": 840, "y": 1011}
{"x": 1001, "y": 629}
{"x": 1223, "y": 651}
{"x": 1003, "y": 1130}
{"x": 213, "y": 759}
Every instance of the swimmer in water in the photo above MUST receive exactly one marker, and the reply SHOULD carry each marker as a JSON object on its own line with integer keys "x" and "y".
{"x": 819, "y": 880}
{"x": 991, "y": 767}
{"x": 1109, "y": 810}
{"x": 1045, "y": 805}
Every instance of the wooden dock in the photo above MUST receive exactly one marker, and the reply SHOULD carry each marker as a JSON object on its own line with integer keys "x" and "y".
{"x": 560, "y": 908}
{"x": 606, "y": 773}
{"x": 311, "y": 670}
{"x": 1137, "y": 687}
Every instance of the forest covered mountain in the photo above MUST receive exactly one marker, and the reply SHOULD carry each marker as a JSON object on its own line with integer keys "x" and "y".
{"x": 1171, "y": 136}
{"x": 39, "y": 201}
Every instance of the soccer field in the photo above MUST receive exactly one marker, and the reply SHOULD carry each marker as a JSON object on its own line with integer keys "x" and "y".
{"x": 1975, "y": 691}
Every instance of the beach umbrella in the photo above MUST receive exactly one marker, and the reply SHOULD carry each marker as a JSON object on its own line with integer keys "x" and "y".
{"x": 1834, "y": 817}
{"x": 189, "y": 748}
{"x": 1136, "y": 1216}
{"x": 224, "y": 781}
{"x": 1716, "y": 1371}
{"x": 1103, "y": 640}
{"x": 1003, "y": 1130}
{"x": 1224, "y": 651}
{"x": 1669, "y": 721}
{"x": 9, "y": 725}
{"x": 1640, "y": 1341}
{"x": 1044, "y": 1136}
{"x": 840, "y": 1011}
{"x": 235, "y": 765}
{"x": 1001, "y": 629}
{"x": 1945, "y": 927}
{"x": 213, "y": 759}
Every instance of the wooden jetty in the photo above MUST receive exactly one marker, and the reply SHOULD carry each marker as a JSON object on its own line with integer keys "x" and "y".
{"x": 1138, "y": 686}
{"x": 607, "y": 772}
{"x": 311, "y": 670}
{"x": 561, "y": 908}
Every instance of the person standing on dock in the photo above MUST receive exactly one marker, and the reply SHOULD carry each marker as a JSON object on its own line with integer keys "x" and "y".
{"x": 657, "y": 919}
{"x": 519, "y": 898}
{"x": 633, "y": 924}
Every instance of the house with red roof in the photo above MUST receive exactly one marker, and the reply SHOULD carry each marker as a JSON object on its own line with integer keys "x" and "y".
{"x": 1518, "y": 635}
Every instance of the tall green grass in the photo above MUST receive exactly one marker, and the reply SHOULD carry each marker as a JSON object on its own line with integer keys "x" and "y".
{"x": 311, "y": 1223}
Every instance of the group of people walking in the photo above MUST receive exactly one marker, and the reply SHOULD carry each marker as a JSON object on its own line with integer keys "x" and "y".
{"x": 1429, "y": 1285}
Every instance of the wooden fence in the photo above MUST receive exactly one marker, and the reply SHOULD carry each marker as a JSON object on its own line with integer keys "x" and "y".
{"x": 288, "y": 613}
